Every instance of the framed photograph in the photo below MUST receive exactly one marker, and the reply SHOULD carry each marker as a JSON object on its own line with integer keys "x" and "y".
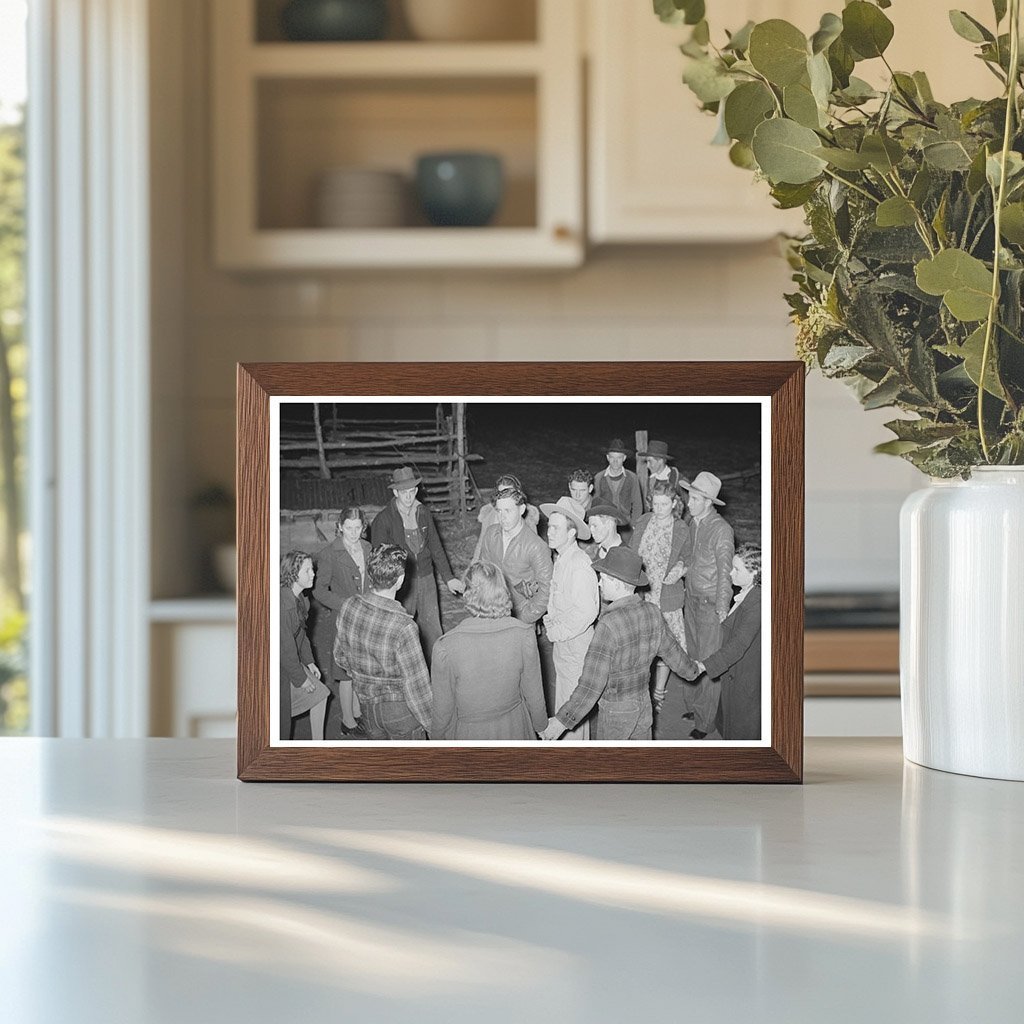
{"x": 490, "y": 572}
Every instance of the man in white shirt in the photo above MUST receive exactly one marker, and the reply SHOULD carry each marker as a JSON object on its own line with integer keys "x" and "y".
{"x": 573, "y": 603}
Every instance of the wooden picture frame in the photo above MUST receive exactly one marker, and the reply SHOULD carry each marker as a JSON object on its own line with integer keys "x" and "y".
{"x": 781, "y": 387}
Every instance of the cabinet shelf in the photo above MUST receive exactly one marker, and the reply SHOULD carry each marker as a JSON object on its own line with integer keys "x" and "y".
{"x": 392, "y": 60}
{"x": 287, "y": 114}
{"x": 310, "y": 248}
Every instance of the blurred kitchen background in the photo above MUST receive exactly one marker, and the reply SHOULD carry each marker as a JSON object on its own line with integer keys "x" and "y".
{"x": 286, "y": 217}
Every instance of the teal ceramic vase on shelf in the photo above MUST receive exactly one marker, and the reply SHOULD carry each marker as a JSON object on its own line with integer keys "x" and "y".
{"x": 460, "y": 189}
{"x": 334, "y": 20}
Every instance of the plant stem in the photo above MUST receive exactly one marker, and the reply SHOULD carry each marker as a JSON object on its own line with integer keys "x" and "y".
{"x": 993, "y": 308}
{"x": 855, "y": 187}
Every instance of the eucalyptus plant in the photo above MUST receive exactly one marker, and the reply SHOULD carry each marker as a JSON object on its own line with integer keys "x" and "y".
{"x": 910, "y": 278}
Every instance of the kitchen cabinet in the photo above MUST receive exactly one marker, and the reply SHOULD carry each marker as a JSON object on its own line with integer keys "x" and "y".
{"x": 653, "y": 175}
{"x": 286, "y": 113}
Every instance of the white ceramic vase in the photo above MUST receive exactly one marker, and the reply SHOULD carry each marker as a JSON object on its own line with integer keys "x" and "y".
{"x": 962, "y": 624}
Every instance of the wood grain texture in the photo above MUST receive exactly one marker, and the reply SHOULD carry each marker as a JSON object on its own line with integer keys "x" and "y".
{"x": 554, "y": 762}
{"x": 852, "y": 650}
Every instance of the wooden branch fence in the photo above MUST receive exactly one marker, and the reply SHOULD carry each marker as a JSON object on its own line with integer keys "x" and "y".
{"x": 335, "y": 457}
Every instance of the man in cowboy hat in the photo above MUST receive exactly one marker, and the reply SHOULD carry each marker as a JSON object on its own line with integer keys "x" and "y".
{"x": 522, "y": 556}
{"x": 604, "y": 522}
{"x": 616, "y": 672}
{"x": 405, "y": 522}
{"x": 617, "y": 485}
{"x": 657, "y": 457}
{"x": 708, "y": 592}
{"x": 573, "y": 603}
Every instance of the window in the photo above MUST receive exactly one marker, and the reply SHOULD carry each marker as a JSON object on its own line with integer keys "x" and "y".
{"x": 14, "y": 704}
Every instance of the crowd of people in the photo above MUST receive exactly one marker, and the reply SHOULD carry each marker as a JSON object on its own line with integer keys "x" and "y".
{"x": 573, "y": 636}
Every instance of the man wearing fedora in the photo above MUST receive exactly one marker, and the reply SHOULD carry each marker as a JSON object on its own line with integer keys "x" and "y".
{"x": 617, "y": 485}
{"x": 616, "y": 672}
{"x": 708, "y": 593}
{"x": 604, "y": 522}
{"x": 657, "y": 457}
{"x": 573, "y": 603}
{"x": 405, "y": 522}
{"x": 522, "y": 556}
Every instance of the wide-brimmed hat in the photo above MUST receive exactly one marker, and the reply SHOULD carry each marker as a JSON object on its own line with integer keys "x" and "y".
{"x": 403, "y": 478}
{"x": 624, "y": 564}
{"x": 618, "y": 445}
{"x": 610, "y": 511}
{"x": 571, "y": 509}
{"x": 706, "y": 484}
{"x": 656, "y": 449}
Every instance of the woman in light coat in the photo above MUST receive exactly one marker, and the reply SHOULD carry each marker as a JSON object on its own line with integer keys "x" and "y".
{"x": 485, "y": 672}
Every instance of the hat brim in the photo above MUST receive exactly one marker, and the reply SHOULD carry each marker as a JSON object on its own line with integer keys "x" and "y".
{"x": 668, "y": 456}
{"x": 618, "y": 451}
{"x": 609, "y": 511}
{"x": 601, "y": 566}
{"x": 697, "y": 490}
{"x": 582, "y": 530}
{"x": 405, "y": 485}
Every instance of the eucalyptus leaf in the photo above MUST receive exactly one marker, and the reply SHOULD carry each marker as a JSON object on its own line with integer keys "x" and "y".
{"x": 785, "y": 152}
{"x": 963, "y": 281}
{"x": 701, "y": 33}
{"x": 1011, "y": 226}
{"x": 969, "y": 28}
{"x": 947, "y": 156}
{"x": 895, "y": 212}
{"x": 800, "y": 105}
{"x": 844, "y": 159}
{"x": 971, "y": 352}
{"x": 820, "y": 75}
{"x": 999, "y": 8}
{"x": 829, "y": 30}
{"x": 883, "y": 153}
{"x": 676, "y": 12}
{"x": 976, "y": 174}
{"x": 858, "y": 91}
{"x": 895, "y": 447}
{"x": 924, "y": 88}
{"x": 994, "y": 167}
{"x": 745, "y": 108}
{"x": 866, "y": 29}
{"x": 788, "y": 196}
{"x": 708, "y": 81}
{"x": 841, "y": 60}
{"x": 779, "y": 51}
{"x": 739, "y": 41}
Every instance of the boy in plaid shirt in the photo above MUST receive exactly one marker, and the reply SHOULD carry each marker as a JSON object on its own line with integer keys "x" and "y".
{"x": 616, "y": 675}
{"x": 378, "y": 645}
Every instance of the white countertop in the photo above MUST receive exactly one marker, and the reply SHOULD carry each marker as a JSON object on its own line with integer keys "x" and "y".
{"x": 144, "y": 885}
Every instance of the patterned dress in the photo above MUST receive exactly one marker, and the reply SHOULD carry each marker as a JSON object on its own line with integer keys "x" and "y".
{"x": 655, "y": 548}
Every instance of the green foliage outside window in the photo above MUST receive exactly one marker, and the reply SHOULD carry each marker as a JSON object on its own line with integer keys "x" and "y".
{"x": 13, "y": 414}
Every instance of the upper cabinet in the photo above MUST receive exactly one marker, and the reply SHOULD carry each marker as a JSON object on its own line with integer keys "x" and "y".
{"x": 653, "y": 174}
{"x": 317, "y": 145}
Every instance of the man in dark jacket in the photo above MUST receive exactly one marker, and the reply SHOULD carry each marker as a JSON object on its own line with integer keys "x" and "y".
{"x": 617, "y": 669}
{"x": 708, "y": 593}
{"x": 405, "y": 522}
{"x": 522, "y": 556}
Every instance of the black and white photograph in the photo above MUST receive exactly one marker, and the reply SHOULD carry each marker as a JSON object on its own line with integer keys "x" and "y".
{"x": 496, "y": 571}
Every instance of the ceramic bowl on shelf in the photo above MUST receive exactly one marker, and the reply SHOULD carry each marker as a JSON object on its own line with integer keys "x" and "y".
{"x": 471, "y": 20}
{"x": 361, "y": 198}
{"x": 460, "y": 189}
{"x": 333, "y": 21}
